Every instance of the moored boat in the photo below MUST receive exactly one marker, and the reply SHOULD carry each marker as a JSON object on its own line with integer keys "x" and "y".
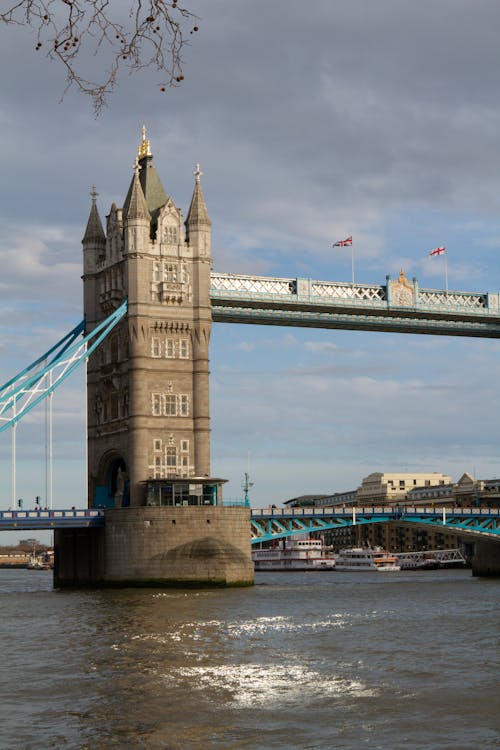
{"x": 386, "y": 562}
{"x": 300, "y": 554}
{"x": 359, "y": 559}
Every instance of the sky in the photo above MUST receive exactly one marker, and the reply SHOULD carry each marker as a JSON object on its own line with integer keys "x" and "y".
{"x": 311, "y": 122}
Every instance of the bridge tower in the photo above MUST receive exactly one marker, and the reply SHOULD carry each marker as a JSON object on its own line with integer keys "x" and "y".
{"x": 148, "y": 418}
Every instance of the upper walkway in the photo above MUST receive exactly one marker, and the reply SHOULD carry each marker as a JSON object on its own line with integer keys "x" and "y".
{"x": 398, "y": 306}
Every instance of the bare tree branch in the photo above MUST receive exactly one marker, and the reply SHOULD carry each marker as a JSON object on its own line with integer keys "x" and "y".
{"x": 152, "y": 34}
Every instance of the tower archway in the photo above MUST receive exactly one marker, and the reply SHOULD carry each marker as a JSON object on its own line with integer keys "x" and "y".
{"x": 112, "y": 488}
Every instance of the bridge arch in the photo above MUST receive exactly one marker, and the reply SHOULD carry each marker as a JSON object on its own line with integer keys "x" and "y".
{"x": 111, "y": 485}
{"x": 271, "y": 524}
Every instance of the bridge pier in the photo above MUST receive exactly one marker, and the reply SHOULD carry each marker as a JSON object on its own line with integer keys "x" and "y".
{"x": 486, "y": 560}
{"x": 158, "y": 546}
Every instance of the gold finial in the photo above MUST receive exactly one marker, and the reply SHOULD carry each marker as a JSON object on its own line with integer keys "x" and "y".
{"x": 197, "y": 173}
{"x": 145, "y": 147}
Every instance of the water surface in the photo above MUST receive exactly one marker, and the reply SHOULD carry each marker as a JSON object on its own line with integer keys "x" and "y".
{"x": 301, "y": 660}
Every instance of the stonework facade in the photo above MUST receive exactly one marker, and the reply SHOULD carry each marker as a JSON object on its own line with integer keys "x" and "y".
{"x": 148, "y": 402}
{"x": 148, "y": 390}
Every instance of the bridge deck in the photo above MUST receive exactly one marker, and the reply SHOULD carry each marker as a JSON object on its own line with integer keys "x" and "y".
{"x": 20, "y": 520}
{"x": 272, "y": 523}
{"x": 327, "y": 304}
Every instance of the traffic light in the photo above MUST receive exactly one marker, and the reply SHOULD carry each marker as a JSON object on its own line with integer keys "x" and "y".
{"x": 20, "y": 503}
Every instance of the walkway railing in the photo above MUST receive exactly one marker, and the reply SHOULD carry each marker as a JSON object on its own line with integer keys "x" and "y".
{"x": 399, "y": 306}
{"x": 50, "y": 519}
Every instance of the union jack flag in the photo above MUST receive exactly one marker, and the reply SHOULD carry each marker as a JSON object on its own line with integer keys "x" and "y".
{"x": 343, "y": 243}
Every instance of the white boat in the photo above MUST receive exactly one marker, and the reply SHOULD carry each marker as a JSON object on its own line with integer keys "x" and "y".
{"x": 359, "y": 559}
{"x": 296, "y": 554}
{"x": 385, "y": 561}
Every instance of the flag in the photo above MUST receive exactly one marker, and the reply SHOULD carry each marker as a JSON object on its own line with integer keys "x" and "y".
{"x": 343, "y": 243}
{"x": 438, "y": 251}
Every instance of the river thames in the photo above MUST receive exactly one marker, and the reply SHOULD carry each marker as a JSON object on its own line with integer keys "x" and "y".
{"x": 301, "y": 660}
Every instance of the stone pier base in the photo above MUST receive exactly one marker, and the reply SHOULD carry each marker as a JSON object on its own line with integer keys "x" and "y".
{"x": 158, "y": 546}
{"x": 486, "y": 560}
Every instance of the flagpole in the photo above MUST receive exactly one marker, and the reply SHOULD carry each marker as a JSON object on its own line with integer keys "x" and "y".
{"x": 352, "y": 263}
{"x": 446, "y": 270}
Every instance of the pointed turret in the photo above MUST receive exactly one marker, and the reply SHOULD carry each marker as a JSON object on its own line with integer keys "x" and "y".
{"x": 136, "y": 206}
{"x": 152, "y": 188}
{"x": 94, "y": 251}
{"x": 197, "y": 214}
{"x": 94, "y": 231}
{"x": 136, "y": 219}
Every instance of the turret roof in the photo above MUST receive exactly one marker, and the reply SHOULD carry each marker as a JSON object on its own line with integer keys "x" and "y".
{"x": 198, "y": 213}
{"x": 136, "y": 206}
{"x": 152, "y": 188}
{"x": 94, "y": 231}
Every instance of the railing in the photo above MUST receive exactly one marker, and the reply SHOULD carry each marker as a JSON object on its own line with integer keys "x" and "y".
{"x": 377, "y": 510}
{"x": 39, "y": 519}
{"x": 263, "y": 288}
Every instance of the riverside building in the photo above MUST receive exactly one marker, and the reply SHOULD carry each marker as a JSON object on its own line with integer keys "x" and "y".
{"x": 404, "y": 489}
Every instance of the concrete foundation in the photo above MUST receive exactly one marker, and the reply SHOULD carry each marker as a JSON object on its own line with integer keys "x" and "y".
{"x": 486, "y": 560}
{"x": 158, "y": 546}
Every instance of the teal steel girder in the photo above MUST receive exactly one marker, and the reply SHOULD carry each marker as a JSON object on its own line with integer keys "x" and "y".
{"x": 40, "y": 379}
{"x": 266, "y": 526}
{"x": 288, "y": 313}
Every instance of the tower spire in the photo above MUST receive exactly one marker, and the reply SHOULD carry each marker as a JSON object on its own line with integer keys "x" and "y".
{"x": 94, "y": 231}
{"x": 137, "y": 208}
{"x": 145, "y": 147}
{"x": 152, "y": 188}
{"x": 197, "y": 213}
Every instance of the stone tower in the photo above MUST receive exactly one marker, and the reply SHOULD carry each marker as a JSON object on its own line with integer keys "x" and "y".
{"x": 148, "y": 391}
{"x": 148, "y": 417}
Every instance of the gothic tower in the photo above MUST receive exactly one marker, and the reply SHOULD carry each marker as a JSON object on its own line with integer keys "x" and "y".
{"x": 148, "y": 391}
{"x": 148, "y": 420}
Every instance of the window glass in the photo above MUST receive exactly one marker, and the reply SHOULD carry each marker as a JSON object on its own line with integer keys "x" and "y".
{"x": 170, "y": 405}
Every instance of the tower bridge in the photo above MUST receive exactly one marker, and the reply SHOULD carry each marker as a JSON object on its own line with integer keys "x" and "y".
{"x": 148, "y": 284}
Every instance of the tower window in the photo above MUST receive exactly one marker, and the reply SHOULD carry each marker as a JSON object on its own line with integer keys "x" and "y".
{"x": 184, "y": 406}
{"x": 171, "y": 457}
{"x": 156, "y": 404}
{"x": 170, "y": 349}
{"x": 184, "y": 349}
{"x": 155, "y": 347}
{"x": 170, "y": 235}
{"x": 170, "y": 405}
{"x": 170, "y": 273}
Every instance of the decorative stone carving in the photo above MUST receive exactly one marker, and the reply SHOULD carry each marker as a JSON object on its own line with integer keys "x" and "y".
{"x": 402, "y": 292}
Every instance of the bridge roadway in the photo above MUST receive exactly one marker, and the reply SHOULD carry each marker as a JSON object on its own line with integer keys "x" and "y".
{"x": 274, "y": 523}
{"x": 399, "y": 306}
